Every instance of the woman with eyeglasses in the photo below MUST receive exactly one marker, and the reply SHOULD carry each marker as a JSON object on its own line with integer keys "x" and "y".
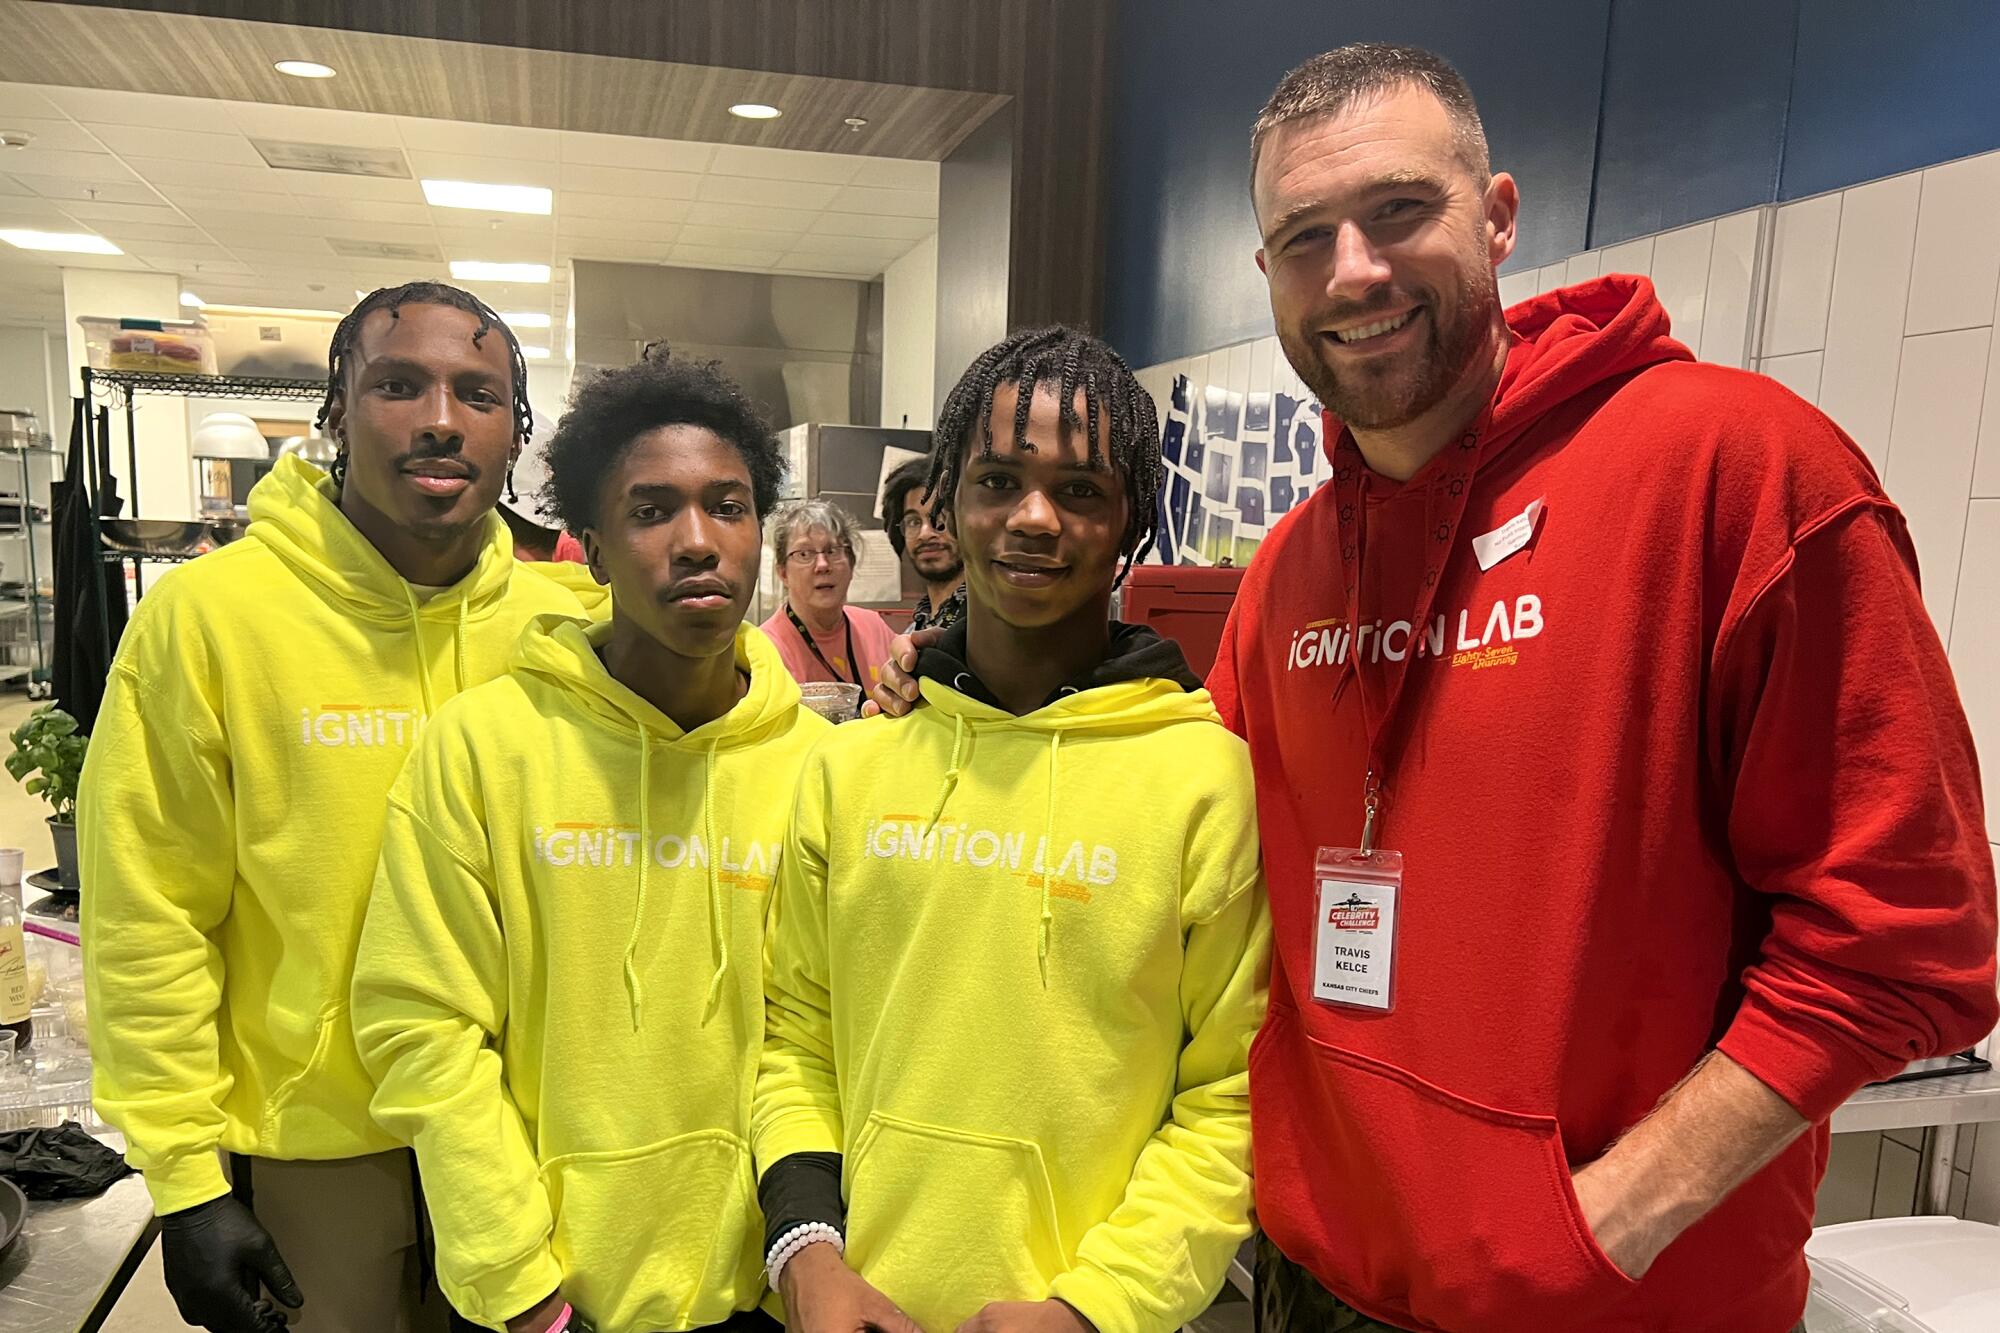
{"x": 820, "y": 636}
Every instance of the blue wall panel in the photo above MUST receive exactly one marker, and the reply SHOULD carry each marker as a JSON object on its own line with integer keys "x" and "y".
{"x": 1693, "y": 121}
{"x": 1881, "y": 88}
{"x": 1190, "y": 77}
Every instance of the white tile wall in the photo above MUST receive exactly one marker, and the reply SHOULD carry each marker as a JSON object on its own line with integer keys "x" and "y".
{"x": 1803, "y": 241}
{"x": 1931, "y": 445}
{"x": 1871, "y": 282}
{"x": 1732, "y": 270}
{"x": 1986, "y": 472}
{"x": 1519, "y": 285}
{"x": 1799, "y": 372}
{"x": 1680, "y": 277}
{"x": 1975, "y": 647}
{"x": 1957, "y": 264}
{"x": 1583, "y": 267}
{"x": 1553, "y": 276}
{"x": 1630, "y": 257}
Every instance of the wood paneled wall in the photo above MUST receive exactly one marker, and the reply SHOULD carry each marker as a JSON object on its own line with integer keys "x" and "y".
{"x": 1050, "y": 56}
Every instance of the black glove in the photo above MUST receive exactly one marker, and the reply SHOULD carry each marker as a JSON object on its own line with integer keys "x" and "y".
{"x": 215, "y": 1253}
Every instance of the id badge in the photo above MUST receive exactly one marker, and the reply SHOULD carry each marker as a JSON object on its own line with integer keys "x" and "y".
{"x": 1354, "y": 942}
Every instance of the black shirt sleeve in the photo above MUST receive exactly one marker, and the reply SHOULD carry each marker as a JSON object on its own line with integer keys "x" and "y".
{"x": 801, "y": 1188}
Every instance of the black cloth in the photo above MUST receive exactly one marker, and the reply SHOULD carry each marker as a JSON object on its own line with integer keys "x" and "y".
{"x": 803, "y": 1187}
{"x": 61, "y": 1163}
{"x": 1136, "y": 652}
{"x": 90, "y": 595}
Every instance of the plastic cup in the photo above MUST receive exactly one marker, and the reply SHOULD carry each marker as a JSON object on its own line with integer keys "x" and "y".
{"x": 13, "y": 863}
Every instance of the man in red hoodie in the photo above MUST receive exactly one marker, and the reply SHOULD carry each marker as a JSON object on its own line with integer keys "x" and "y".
{"x": 1624, "y": 655}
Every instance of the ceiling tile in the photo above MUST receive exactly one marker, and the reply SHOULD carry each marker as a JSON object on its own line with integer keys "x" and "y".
{"x": 247, "y": 201}
{"x": 61, "y": 134}
{"x": 368, "y": 210}
{"x": 705, "y": 254}
{"x": 179, "y": 145}
{"x": 244, "y": 226}
{"x": 730, "y": 238}
{"x": 868, "y": 247}
{"x": 492, "y": 251}
{"x": 106, "y": 106}
{"x": 37, "y": 161}
{"x": 128, "y": 233}
{"x": 834, "y": 265}
{"x": 107, "y": 209}
{"x": 20, "y": 100}
{"x": 752, "y": 219}
{"x": 895, "y": 173}
{"x": 625, "y": 181}
{"x": 470, "y": 227}
{"x": 274, "y": 239}
{"x": 39, "y": 214}
{"x": 640, "y": 228}
{"x": 10, "y": 186}
{"x": 782, "y": 164}
{"x": 163, "y": 171}
{"x": 770, "y": 194}
{"x": 171, "y": 253}
{"x": 101, "y": 191}
{"x": 620, "y": 150}
{"x": 516, "y": 142}
{"x": 873, "y": 224}
{"x": 330, "y": 185}
{"x": 574, "y": 204}
{"x": 650, "y": 251}
{"x": 305, "y": 124}
{"x": 892, "y": 203}
{"x": 485, "y": 170}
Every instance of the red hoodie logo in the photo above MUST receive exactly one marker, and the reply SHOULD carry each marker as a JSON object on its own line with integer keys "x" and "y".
{"x": 1482, "y": 642}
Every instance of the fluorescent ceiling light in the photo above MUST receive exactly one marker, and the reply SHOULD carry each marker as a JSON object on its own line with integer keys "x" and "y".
{"x": 68, "y": 242}
{"x": 491, "y": 198}
{"x": 477, "y": 270}
{"x": 527, "y": 319}
{"x": 534, "y": 353}
{"x": 189, "y": 298}
{"x": 755, "y": 111}
{"x": 281, "y": 311}
{"x": 305, "y": 69}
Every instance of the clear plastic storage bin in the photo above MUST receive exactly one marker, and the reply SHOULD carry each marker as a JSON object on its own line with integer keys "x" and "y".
{"x": 169, "y": 346}
{"x": 1905, "y": 1275}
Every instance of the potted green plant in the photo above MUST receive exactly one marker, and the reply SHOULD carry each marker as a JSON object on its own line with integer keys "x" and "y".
{"x": 49, "y": 745}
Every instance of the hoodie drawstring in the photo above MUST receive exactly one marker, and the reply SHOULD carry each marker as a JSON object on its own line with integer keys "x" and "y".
{"x": 718, "y": 926}
{"x": 458, "y": 663}
{"x": 1048, "y": 860}
{"x": 417, "y": 638}
{"x": 633, "y": 991}
{"x": 950, "y": 783}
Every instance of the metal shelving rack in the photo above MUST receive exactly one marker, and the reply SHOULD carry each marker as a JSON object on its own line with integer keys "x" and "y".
{"x": 36, "y": 605}
{"x": 122, "y": 388}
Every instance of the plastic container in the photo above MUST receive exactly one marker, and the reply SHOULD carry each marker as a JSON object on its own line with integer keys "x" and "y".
{"x": 1905, "y": 1275}
{"x": 170, "y": 346}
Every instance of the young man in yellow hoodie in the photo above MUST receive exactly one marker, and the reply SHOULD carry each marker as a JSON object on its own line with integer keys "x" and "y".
{"x": 560, "y": 989}
{"x": 1020, "y": 942}
{"x": 261, "y": 703}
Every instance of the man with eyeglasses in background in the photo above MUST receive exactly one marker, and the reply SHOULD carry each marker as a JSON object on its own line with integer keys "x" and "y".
{"x": 820, "y": 636}
{"x": 923, "y": 536}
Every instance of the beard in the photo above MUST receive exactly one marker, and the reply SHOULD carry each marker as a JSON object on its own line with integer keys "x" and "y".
{"x": 1401, "y": 389}
{"x": 938, "y": 567}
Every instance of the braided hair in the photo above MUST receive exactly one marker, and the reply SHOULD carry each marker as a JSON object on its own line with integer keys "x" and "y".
{"x": 1064, "y": 361}
{"x": 393, "y": 299}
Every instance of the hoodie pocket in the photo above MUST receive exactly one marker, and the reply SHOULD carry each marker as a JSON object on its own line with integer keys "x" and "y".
{"x": 1424, "y": 1202}
{"x": 943, "y": 1220}
{"x": 659, "y": 1236}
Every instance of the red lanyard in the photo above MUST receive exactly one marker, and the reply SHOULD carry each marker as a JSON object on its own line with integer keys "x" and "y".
{"x": 1447, "y": 490}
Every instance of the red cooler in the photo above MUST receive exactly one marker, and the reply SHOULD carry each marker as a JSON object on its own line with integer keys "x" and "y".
{"x": 1186, "y": 603}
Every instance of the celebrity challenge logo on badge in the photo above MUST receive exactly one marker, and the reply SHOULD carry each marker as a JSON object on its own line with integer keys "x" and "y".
{"x": 1356, "y": 913}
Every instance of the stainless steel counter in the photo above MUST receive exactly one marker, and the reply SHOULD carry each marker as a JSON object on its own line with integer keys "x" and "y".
{"x": 1939, "y": 1105}
{"x": 73, "y": 1259}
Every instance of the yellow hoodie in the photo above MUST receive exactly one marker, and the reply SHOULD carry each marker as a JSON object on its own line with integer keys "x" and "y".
{"x": 566, "y": 1027}
{"x": 1039, "y": 1082}
{"x": 262, "y": 701}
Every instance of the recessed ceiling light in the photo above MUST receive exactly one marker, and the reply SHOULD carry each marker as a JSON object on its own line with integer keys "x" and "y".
{"x": 478, "y": 270}
{"x": 305, "y": 69}
{"x": 280, "y": 311}
{"x": 68, "y": 242}
{"x": 534, "y": 353}
{"x": 189, "y": 298}
{"x": 490, "y": 198}
{"x": 527, "y": 319}
{"x": 755, "y": 111}
{"x": 856, "y": 122}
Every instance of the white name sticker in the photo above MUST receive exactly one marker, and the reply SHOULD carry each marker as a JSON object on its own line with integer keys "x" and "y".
{"x": 1506, "y": 539}
{"x": 1354, "y": 952}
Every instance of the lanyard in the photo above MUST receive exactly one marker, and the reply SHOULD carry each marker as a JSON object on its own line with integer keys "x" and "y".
{"x": 1446, "y": 493}
{"x": 806, "y": 634}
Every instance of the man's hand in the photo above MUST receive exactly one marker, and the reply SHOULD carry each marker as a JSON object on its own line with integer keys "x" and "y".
{"x": 540, "y": 1318}
{"x": 1050, "y": 1316}
{"x": 1721, "y": 1126}
{"x": 215, "y": 1255}
{"x": 823, "y": 1295}
{"x": 896, "y": 693}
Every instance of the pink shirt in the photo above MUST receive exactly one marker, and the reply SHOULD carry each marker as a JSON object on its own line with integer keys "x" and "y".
{"x": 872, "y": 637}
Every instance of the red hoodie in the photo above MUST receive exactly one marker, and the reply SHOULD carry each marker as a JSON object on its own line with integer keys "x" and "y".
{"x": 1689, "y": 772}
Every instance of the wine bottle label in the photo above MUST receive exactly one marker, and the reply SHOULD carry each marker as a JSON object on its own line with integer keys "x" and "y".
{"x": 14, "y": 1006}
